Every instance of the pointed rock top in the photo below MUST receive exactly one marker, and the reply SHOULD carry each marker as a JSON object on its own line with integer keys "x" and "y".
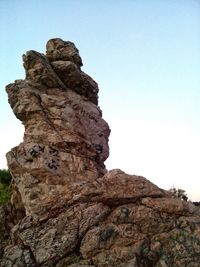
{"x": 57, "y": 49}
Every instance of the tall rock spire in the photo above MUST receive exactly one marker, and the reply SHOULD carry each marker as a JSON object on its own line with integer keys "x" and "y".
{"x": 65, "y": 139}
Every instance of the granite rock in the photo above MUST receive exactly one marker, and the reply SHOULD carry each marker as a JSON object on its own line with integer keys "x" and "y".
{"x": 66, "y": 138}
{"x": 66, "y": 208}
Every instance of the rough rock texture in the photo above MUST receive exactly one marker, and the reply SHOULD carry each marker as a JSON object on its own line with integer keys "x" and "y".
{"x": 66, "y": 139}
{"x": 67, "y": 210}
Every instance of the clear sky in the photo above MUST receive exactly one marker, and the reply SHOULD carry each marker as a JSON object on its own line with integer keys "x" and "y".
{"x": 145, "y": 56}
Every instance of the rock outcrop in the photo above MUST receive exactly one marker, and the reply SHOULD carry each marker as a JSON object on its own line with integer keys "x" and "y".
{"x": 66, "y": 139}
{"x": 66, "y": 208}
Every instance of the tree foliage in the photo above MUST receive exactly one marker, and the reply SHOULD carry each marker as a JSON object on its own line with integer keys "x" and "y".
{"x": 196, "y": 203}
{"x": 180, "y": 193}
{"x": 5, "y": 177}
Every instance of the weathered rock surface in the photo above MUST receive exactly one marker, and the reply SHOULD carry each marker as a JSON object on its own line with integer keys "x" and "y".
{"x": 67, "y": 209}
{"x": 66, "y": 139}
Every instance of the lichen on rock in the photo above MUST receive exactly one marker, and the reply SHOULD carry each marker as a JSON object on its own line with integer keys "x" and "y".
{"x": 66, "y": 208}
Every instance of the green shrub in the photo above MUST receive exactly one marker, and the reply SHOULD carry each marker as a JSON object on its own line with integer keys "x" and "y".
{"x": 5, "y": 177}
{"x": 5, "y": 193}
{"x": 5, "y": 188}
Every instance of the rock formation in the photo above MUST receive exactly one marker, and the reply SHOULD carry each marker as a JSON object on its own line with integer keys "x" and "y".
{"x": 66, "y": 139}
{"x": 66, "y": 208}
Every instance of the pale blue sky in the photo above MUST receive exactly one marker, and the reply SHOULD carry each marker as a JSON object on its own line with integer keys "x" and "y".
{"x": 145, "y": 56}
